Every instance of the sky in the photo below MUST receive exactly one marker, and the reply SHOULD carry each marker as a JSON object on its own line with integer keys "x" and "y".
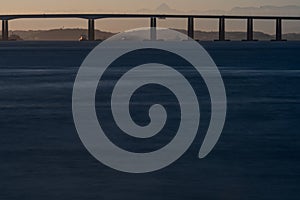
{"x": 127, "y": 6}
{"x": 44, "y": 6}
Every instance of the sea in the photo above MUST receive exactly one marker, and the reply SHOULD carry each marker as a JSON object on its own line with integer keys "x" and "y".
{"x": 256, "y": 157}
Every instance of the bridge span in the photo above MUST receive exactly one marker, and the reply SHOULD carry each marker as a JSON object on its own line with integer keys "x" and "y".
{"x": 153, "y": 18}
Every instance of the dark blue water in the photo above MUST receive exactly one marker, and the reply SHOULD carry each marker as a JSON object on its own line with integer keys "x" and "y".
{"x": 257, "y": 156}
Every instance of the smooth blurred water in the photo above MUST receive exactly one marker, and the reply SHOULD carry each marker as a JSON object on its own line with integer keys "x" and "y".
{"x": 257, "y": 156}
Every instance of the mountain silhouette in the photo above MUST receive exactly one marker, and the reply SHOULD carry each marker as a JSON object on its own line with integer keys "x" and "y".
{"x": 290, "y": 10}
{"x": 163, "y": 8}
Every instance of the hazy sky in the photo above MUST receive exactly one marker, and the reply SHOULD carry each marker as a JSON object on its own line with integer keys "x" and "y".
{"x": 17, "y": 6}
{"x": 127, "y": 6}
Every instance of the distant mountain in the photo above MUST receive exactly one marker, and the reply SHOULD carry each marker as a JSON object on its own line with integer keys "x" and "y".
{"x": 60, "y": 34}
{"x": 290, "y": 10}
{"x": 162, "y": 8}
{"x": 74, "y": 34}
{"x": 267, "y": 10}
{"x": 237, "y": 35}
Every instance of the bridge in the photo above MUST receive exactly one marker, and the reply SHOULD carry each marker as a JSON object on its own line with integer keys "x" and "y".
{"x": 153, "y": 18}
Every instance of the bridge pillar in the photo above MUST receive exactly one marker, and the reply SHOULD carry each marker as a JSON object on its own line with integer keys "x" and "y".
{"x": 191, "y": 27}
{"x": 278, "y": 29}
{"x": 91, "y": 29}
{"x": 222, "y": 29}
{"x": 4, "y": 30}
{"x": 153, "y": 33}
{"x": 250, "y": 29}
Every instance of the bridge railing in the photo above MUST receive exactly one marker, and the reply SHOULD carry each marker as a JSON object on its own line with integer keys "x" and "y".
{"x": 190, "y": 22}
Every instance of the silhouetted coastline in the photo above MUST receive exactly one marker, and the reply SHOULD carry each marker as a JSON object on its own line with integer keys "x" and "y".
{"x": 75, "y": 34}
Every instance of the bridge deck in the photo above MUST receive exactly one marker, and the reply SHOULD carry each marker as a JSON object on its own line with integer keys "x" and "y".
{"x": 100, "y": 16}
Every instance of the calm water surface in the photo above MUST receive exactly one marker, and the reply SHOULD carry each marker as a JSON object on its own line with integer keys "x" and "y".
{"x": 257, "y": 156}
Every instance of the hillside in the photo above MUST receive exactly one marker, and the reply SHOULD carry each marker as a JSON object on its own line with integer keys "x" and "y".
{"x": 60, "y": 34}
{"x": 74, "y": 34}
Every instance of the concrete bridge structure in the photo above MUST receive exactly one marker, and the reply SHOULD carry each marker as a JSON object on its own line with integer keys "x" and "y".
{"x": 153, "y": 18}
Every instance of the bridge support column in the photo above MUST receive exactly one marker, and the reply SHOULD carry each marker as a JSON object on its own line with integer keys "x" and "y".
{"x": 153, "y": 33}
{"x": 278, "y": 29}
{"x": 222, "y": 29}
{"x": 191, "y": 27}
{"x": 4, "y": 30}
{"x": 91, "y": 30}
{"x": 250, "y": 29}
